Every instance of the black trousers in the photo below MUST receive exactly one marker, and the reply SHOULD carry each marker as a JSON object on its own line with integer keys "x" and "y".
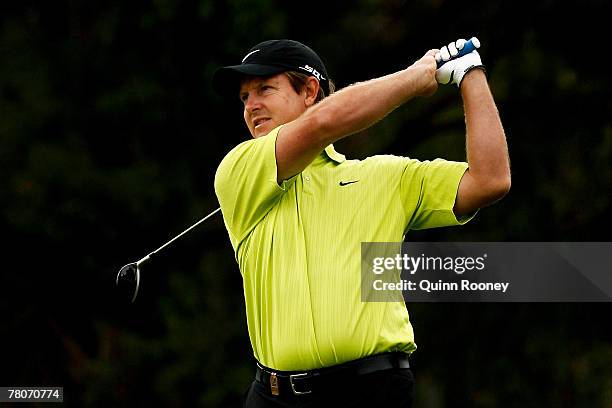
{"x": 392, "y": 388}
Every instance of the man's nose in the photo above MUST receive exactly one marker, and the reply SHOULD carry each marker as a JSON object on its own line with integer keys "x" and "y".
{"x": 252, "y": 103}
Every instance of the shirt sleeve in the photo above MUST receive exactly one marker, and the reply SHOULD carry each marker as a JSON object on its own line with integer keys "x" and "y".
{"x": 246, "y": 186}
{"x": 429, "y": 190}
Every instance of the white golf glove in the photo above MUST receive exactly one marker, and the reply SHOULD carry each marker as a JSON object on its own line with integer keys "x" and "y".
{"x": 454, "y": 70}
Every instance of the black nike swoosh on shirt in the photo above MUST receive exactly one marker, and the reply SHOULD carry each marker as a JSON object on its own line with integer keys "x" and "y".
{"x": 345, "y": 183}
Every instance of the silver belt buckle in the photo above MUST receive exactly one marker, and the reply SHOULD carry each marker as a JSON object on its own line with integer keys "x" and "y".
{"x": 291, "y": 377}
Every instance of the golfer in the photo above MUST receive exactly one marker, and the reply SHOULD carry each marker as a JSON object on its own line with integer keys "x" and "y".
{"x": 297, "y": 211}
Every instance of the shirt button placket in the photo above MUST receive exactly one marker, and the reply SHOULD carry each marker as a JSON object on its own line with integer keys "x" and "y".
{"x": 307, "y": 184}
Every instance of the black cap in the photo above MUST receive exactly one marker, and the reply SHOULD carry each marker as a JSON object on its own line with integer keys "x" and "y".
{"x": 270, "y": 58}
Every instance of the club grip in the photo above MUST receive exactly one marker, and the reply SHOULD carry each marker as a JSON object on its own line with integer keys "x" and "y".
{"x": 469, "y": 46}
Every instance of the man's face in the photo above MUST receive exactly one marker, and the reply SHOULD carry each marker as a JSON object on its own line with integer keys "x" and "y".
{"x": 270, "y": 102}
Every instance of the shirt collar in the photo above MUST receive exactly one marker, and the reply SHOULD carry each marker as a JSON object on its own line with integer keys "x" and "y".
{"x": 334, "y": 155}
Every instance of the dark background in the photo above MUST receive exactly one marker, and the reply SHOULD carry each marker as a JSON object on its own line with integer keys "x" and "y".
{"x": 110, "y": 135}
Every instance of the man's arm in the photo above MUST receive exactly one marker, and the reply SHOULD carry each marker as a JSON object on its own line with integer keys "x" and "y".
{"x": 348, "y": 111}
{"x": 488, "y": 177}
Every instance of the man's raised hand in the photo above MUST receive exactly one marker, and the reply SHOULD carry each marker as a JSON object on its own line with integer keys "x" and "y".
{"x": 456, "y": 59}
{"x": 426, "y": 67}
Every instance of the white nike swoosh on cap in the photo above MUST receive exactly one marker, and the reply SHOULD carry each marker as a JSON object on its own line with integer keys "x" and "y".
{"x": 248, "y": 55}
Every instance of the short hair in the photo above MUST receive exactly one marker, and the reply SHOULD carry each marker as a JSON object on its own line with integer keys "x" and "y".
{"x": 298, "y": 82}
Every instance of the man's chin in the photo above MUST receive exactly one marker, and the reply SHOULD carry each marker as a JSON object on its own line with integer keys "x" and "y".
{"x": 261, "y": 131}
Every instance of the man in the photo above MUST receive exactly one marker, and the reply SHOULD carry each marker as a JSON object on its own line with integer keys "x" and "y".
{"x": 297, "y": 211}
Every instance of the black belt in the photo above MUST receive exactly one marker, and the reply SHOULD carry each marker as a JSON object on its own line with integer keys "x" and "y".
{"x": 304, "y": 382}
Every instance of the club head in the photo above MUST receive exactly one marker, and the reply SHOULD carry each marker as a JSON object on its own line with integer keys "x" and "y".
{"x": 128, "y": 280}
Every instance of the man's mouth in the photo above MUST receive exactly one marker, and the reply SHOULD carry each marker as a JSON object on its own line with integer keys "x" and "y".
{"x": 260, "y": 121}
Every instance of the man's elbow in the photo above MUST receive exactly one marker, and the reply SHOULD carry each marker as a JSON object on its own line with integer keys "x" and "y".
{"x": 479, "y": 192}
{"x": 497, "y": 188}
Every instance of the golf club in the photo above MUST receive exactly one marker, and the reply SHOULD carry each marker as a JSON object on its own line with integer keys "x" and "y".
{"x": 128, "y": 278}
{"x": 469, "y": 46}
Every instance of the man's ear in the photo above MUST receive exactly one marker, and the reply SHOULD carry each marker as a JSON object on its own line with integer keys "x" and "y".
{"x": 312, "y": 90}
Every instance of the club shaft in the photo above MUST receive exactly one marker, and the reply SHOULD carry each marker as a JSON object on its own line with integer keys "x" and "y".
{"x": 148, "y": 257}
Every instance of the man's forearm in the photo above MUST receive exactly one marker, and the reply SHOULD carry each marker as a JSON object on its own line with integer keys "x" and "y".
{"x": 487, "y": 150}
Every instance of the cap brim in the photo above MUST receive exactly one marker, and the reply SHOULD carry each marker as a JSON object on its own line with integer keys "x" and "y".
{"x": 226, "y": 80}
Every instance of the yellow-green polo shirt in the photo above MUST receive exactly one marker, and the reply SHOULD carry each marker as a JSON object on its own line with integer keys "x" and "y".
{"x": 298, "y": 247}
